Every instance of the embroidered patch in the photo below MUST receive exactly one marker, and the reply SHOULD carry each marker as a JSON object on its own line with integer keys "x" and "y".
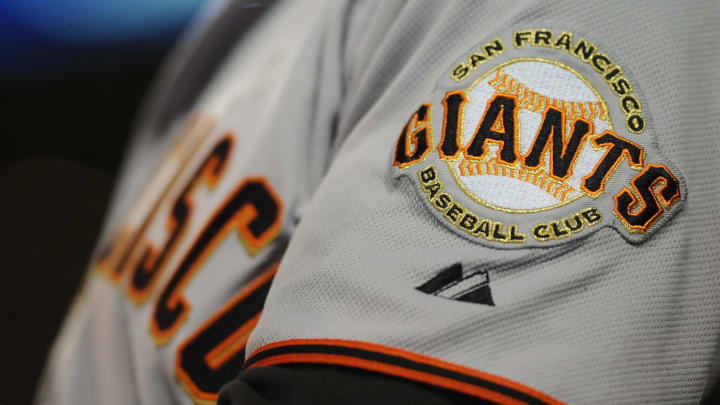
{"x": 538, "y": 143}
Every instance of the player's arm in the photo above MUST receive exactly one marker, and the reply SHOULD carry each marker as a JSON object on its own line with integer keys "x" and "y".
{"x": 508, "y": 215}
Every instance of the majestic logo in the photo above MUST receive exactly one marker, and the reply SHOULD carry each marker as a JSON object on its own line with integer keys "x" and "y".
{"x": 451, "y": 284}
{"x": 528, "y": 152}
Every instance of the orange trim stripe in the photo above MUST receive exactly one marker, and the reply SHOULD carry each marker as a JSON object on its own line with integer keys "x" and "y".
{"x": 392, "y": 370}
{"x": 279, "y": 352}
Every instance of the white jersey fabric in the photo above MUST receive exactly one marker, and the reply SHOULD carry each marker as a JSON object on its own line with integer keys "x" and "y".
{"x": 323, "y": 102}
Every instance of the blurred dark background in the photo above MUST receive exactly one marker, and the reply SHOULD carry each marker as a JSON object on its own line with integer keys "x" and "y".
{"x": 73, "y": 74}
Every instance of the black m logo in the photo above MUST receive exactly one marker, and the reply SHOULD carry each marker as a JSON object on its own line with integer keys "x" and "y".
{"x": 451, "y": 284}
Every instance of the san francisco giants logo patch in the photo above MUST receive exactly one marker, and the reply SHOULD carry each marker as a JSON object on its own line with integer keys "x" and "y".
{"x": 537, "y": 144}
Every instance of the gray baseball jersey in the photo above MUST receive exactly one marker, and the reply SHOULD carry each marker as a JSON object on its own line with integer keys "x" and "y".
{"x": 516, "y": 202}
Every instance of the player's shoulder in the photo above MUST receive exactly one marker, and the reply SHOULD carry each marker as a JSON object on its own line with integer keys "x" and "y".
{"x": 509, "y": 176}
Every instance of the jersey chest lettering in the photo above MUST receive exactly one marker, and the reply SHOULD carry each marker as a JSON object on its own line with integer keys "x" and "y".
{"x": 252, "y": 210}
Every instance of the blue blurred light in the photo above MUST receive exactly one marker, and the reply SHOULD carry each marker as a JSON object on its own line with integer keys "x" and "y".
{"x": 94, "y": 22}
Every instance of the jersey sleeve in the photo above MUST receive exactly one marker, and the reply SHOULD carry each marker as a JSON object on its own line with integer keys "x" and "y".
{"x": 520, "y": 209}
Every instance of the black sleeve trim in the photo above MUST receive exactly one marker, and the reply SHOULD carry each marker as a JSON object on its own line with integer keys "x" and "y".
{"x": 399, "y": 363}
